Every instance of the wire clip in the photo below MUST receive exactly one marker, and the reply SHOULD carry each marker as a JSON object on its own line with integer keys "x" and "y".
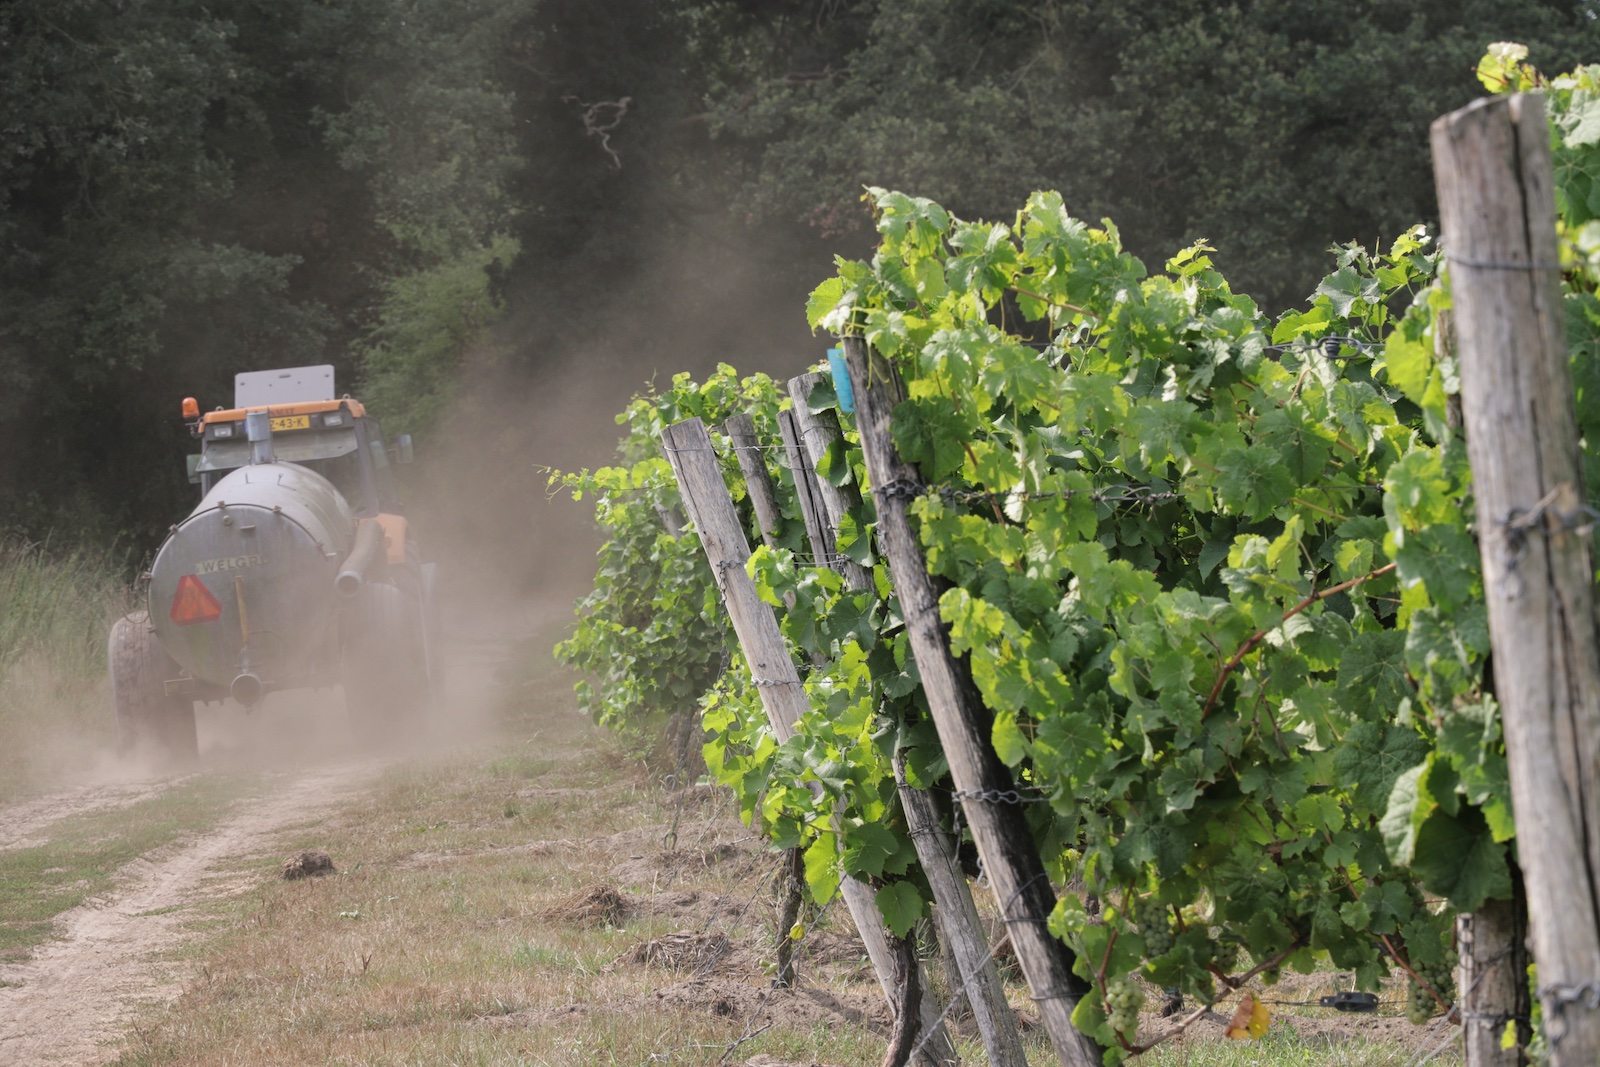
{"x": 1546, "y": 517}
{"x": 1350, "y": 1000}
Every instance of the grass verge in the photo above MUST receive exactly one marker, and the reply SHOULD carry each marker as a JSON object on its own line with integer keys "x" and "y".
{"x": 83, "y": 853}
{"x": 1285, "y": 1046}
{"x": 56, "y": 608}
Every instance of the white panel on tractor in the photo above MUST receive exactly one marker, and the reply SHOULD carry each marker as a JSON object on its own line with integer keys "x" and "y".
{"x": 290, "y": 385}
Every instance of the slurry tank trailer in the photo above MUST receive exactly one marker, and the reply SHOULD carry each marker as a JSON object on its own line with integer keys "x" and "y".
{"x": 297, "y": 569}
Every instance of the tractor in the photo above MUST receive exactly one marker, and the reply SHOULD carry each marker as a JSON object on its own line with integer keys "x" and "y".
{"x": 297, "y": 569}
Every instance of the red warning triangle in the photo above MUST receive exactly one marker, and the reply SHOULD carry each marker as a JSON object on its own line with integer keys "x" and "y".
{"x": 193, "y": 603}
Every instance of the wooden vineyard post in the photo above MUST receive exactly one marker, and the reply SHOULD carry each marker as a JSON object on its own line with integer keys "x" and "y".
{"x": 741, "y": 431}
{"x": 806, "y": 488}
{"x": 1492, "y": 982}
{"x": 983, "y": 782}
{"x": 818, "y": 433}
{"x": 711, "y": 510}
{"x": 1493, "y": 170}
{"x": 976, "y": 975}
{"x": 1492, "y": 972}
{"x": 955, "y": 912}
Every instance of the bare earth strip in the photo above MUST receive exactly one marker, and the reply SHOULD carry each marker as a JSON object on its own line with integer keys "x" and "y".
{"x": 22, "y": 824}
{"x": 70, "y": 1004}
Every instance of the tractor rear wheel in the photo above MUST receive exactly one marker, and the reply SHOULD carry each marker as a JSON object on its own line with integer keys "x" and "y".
{"x": 383, "y": 662}
{"x": 149, "y": 720}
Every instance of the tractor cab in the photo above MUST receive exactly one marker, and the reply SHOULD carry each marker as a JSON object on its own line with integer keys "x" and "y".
{"x": 334, "y": 437}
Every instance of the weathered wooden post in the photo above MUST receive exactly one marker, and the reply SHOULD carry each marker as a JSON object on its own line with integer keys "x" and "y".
{"x": 983, "y": 782}
{"x": 956, "y": 914}
{"x": 1493, "y": 170}
{"x": 1492, "y": 982}
{"x": 819, "y": 431}
{"x": 805, "y": 486}
{"x": 1491, "y": 943}
{"x": 741, "y": 431}
{"x": 975, "y": 975}
{"x": 711, "y": 509}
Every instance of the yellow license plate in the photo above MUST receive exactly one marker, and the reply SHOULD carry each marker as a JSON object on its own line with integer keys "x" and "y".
{"x": 291, "y": 422}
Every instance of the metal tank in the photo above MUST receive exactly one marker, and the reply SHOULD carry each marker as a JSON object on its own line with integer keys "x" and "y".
{"x": 242, "y": 592}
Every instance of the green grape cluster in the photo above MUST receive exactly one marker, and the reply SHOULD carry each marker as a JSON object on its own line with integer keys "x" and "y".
{"x": 1124, "y": 998}
{"x": 1150, "y": 915}
{"x": 1225, "y": 955}
{"x": 1420, "y": 1005}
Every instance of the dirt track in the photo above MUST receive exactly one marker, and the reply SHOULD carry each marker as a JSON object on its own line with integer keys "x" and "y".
{"x": 72, "y": 1002}
{"x": 21, "y": 823}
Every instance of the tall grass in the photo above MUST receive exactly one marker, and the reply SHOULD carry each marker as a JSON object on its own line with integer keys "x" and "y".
{"x": 56, "y": 608}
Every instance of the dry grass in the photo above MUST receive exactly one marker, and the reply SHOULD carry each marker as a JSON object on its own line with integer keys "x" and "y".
{"x": 1285, "y": 1046}
{"x": 81, "y": 855}
{"x": 515, "y": 903}
{"x": 56, "y": 608}
{"x": 506, "y": 905}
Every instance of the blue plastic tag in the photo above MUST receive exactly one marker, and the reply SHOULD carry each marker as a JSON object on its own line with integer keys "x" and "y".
{"x": 841, "y": 380}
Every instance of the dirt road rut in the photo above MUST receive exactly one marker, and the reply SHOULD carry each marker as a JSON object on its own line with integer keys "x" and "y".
{"x": 73, "y": 1001}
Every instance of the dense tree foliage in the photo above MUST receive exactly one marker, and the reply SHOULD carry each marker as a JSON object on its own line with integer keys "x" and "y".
{"x": 1272, "y": 129}
{"x": 189, "y": 190}
{"x": 186, "y": 194}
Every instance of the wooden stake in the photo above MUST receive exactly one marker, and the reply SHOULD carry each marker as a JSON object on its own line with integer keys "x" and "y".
{"x": 982, "y": 780}
{"x": 956, "y": 914}
{"x": 1492, "y": 166}
{"x": 806, "y": 488}
{"x": 1492, "y": 967}
{"x": 711, "y": 509}
{"x": 741, "y": 431}
{"x": 960, "y": 928}
{"x": 1492, "y": 981}
{"x": 819, "y": 431}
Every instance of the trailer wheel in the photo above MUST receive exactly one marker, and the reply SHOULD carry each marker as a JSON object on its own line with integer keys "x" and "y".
{"x": 149, "y": 721}
{"x": 385, "y": 674}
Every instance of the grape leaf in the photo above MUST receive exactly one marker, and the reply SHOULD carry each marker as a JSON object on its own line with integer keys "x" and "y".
{"x": 1457, "y": 858}
{"x": 901, "y": 906}
{"x": 1372, "y": 675}
{"x": 824, "y": 298}
{"x": 822, "y": 867}
{"x": 868, "y": 846}
{"x": 1372, "y": 756}
{"x": 929, "y": 433}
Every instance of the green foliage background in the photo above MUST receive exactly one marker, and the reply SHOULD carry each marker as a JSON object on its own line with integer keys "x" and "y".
{"x": 1215, "y": 577}
{"x": 187, "y": 191}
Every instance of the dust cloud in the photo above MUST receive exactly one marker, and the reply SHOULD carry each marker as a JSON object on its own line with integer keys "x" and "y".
{"x": 540, "y": 391}
{"x": 544, "y": 392}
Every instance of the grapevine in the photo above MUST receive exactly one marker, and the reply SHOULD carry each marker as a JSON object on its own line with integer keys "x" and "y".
{"x": 1124, "y": 999}
{"x": 1426, "y": 988}
{"x": 1151, "y": 917}
{"x": 651, "y": 636}
{"x": 1213, "y": 576}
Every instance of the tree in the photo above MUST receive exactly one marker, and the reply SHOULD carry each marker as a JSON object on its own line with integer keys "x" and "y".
{"x": 1271, "y": 129}
{"x": 185, "y": 195}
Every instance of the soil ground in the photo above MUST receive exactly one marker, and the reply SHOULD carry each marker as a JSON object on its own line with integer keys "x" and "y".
{"x": 515, "y": 891}
{"x": 72, "y": 1001}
